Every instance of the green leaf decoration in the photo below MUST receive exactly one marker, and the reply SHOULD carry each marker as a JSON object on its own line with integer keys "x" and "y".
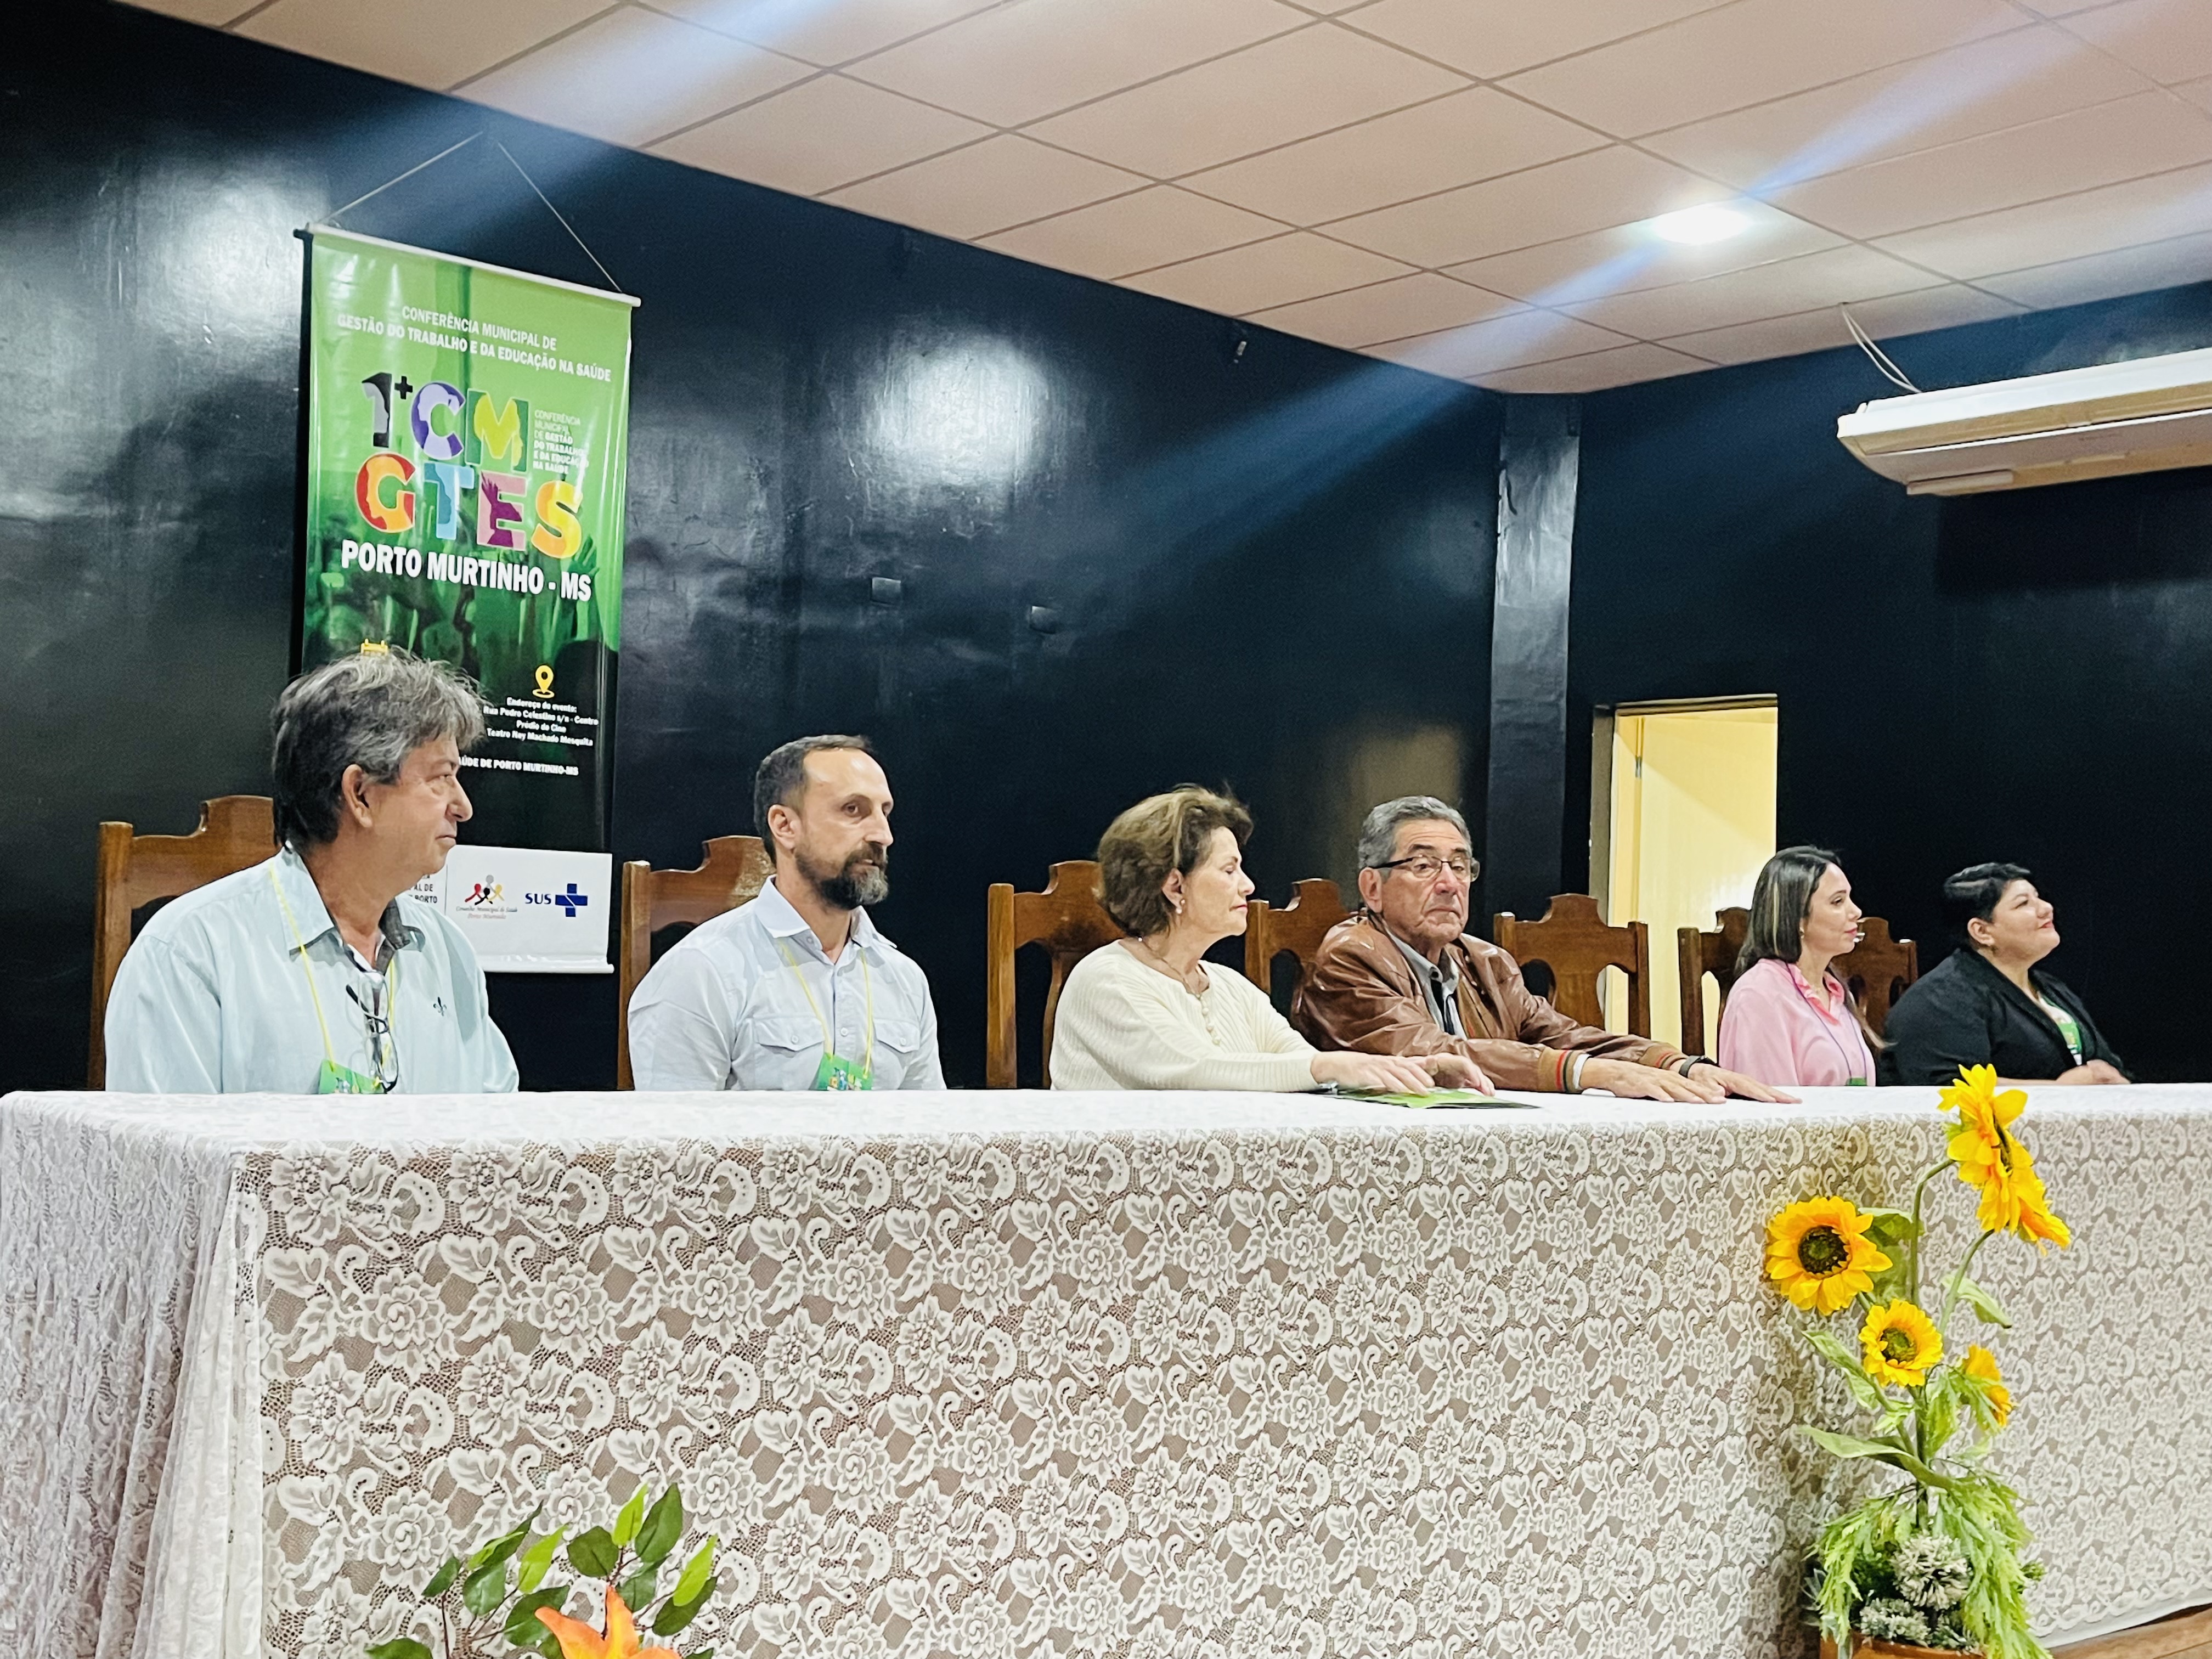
{"x": 1986, "y": 1307}
{"x": 638, "y": 1588}
{"x": 1882, "y": 1451}
{"x": 524, "y": 1627}
{"x": 663, "y": 1529}
{"x": 503, "y": 1547}
{"x": 626, "y": 1523}
{"x": 676, "y": 1615}
{"x": 405, "y": 1647}
{"x": 1863, "y": 1388}
{"x": 443, "y": 1580}
{"x": 536, "y": 1561}
{"x": 592, "y": 1554}
{"x": 1890, "y": 1226}
{"x": 703, "y": 1653}
{"x": 548, "y": 1644}
{"x": 694, "y": 1576}
{"x": 484, "y": 1589}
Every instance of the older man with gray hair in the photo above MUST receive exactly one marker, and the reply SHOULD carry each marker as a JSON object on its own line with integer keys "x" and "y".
{"x": 1404, "y": 976}
{"x": 313, "y": 973}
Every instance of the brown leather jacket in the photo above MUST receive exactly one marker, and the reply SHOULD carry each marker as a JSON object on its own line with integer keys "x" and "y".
{"x": 1361, "y": 993}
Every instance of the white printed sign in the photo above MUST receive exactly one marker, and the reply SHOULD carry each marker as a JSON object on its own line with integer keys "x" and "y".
{"x": 526, "y": 910}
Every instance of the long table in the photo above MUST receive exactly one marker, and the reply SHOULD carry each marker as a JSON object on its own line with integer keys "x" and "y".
{"x": 989, "y": 1374}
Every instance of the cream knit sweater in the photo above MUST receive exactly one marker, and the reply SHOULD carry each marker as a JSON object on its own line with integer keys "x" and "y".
{"x": 1122, "y": 1025}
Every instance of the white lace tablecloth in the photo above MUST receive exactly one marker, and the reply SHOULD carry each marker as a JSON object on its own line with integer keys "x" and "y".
{"x": 994, "y": 1374}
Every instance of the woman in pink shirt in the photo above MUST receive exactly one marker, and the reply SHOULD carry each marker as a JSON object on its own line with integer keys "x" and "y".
{"x": 1790, "y": 1020}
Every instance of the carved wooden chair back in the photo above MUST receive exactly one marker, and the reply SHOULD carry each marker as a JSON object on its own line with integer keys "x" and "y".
{"x": 1069, "y": 922}
{"x": 235, "y": 832}
{"x": 1877, "y": 970}
{"x": 734, "y": 870}
{"x": 1576, "y": 943}
{"x": 1295, "y": 930}
{"x": 1700, "y": 953}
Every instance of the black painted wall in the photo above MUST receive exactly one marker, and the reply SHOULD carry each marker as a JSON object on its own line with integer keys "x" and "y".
{"x": 2026, "y": 676}
{"x": 1271, "y": 567}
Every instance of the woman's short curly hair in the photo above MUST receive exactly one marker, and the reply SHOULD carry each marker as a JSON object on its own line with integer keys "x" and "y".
{"x": 1159, "y": 835}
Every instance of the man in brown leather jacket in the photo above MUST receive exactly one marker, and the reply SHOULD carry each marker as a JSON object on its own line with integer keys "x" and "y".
{"x": 1404, "y": 976}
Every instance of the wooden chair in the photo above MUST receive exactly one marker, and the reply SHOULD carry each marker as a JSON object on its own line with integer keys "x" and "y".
{"x": 734, "y": 871}
{"x": 1575, "y": 943}
{"x": 1068, "y": 920}
{"x": 1878, "y": 969}
{"x": 236, "y": 832}
{"x": 1295, "y": 930}
{"x": 1715, "y": 953}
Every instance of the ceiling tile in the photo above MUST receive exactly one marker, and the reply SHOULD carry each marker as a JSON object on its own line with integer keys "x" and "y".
{"x": 822, "y": 34}
{"x": 2101, "y": 275}
{"x": 1491, "y": 38}
{"x": 1003, "y": 181}
{"x": 2093, "y": 222}
{"x": 1133, "y": 233}
{"x": 1982, "y": 88}
{"x": 1594, "y": 371}
{"x": 1268, "y": 95}
{"x": 1748, "y": 51}
{"x": 1525, "y": 337}
{"x": 1947, "y": 306}
{"x": 2198, "y": 93}
{"x": 1273, "y": 273}
{"x": 1610, "y": 186}
{"x": 425, "y": 43}
{"x": 1015, "y": 63}
{"x": 1386, "y": 311}
{"x": 213, "y": 13}
{"x": 2150, "y": 132}
{"x": 1469, "y": 136}
{"x": 1771, "y": 290}
{"x": 1626, "y": 258}
{"x": 2167, "y": 40}
{"x": 819, "y": 135}
{"x": 632, "y": 75}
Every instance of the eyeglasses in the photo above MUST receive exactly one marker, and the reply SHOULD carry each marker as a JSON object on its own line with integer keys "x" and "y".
{"x": 1424, "y": 867}
{"x": 381, "y": 1046}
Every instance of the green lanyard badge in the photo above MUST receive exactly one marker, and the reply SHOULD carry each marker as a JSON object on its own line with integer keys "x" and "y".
{"x": 332, "y": 1078}
{"x": 835, "y": 1073}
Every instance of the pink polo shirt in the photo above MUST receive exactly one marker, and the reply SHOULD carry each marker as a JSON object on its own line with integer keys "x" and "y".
{"x": 1774, "y": 1029}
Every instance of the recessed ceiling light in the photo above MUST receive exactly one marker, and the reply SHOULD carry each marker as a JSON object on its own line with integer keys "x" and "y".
{"x": 1710, "y": 223}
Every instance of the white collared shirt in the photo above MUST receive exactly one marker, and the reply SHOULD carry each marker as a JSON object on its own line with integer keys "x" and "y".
{"x": 231, "y": 989}
{"x": 746, "y": 1000}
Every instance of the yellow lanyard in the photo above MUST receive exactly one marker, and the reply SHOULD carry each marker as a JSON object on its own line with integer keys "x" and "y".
{"x": 391, "y": 982}
{"x": 868, "y": 1002}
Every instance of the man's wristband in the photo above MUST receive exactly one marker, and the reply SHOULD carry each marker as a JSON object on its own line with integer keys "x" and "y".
{"x": 1687, "y": 1061}
{"x": 1571, "y": 1074}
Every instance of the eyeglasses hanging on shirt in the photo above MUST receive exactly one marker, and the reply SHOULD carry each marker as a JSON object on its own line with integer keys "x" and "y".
{"x": 382, "y": 1046}
{"x": 333, "y": 1078}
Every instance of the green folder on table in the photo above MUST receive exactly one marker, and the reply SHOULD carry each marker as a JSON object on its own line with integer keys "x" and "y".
{"x": 1436, "y": 1097}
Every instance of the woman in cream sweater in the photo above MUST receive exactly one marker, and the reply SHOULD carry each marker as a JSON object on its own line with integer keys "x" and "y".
{"x": 1146, "y": 1012}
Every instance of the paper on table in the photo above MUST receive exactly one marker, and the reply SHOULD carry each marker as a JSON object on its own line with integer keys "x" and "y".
{"x": 1436, "y": 1097}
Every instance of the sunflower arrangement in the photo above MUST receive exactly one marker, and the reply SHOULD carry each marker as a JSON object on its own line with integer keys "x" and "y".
{"x": 493, "y": 1603}
{"x": 1937, "y": 1562}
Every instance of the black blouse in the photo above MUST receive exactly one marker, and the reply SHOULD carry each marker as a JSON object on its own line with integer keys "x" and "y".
{"x": 1964, "y": 1012}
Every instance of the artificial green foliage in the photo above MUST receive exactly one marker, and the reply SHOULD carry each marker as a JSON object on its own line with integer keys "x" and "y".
{"x": 1938, "y": 1561}
{"x": 485, "y": 1605}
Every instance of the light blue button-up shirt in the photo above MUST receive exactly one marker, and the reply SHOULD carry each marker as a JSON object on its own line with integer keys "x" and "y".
{"x": 213, "y": 996}
{"x": 745, "y": 1001}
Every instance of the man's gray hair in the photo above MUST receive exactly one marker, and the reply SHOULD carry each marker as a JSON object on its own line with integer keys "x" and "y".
{"x": 1378, "y": 834}
{"x": 370, "y": 710}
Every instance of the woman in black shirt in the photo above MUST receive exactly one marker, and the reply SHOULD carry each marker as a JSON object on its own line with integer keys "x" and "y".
{"x": 1988, "y": 1004}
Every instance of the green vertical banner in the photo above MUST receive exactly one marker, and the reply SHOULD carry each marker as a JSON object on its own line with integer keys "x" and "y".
{"x": 467, "y": 440}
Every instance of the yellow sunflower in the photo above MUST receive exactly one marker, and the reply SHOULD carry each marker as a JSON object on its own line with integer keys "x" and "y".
{"x": 1996, "y": 1163}
{"x": 1982, "y": 1365}
{"x": 1817, "y": 1254}
{"x": 1901, "y": 1344}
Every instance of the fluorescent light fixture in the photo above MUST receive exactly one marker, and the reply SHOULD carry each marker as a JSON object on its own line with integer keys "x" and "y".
{"x": 1710, "y": 223}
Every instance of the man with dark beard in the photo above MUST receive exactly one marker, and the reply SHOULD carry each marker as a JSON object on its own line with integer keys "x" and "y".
{"x": 797, "y": 989}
